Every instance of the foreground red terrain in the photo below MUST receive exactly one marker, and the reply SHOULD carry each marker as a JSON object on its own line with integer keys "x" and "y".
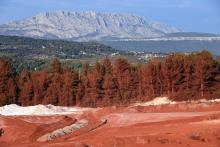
{"x": 178, "y": 125}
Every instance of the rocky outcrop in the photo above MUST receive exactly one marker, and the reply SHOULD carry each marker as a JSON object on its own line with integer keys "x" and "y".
{"x": 63, "y": 131}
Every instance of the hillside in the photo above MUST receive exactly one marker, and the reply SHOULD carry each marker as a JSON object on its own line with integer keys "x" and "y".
{"x": 38, "y": 48}
{"x": 34, "y": 54}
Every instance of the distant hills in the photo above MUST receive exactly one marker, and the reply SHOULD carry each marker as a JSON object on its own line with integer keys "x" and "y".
{"x": 120, "y": 31}
{"x": 29, "y": 48}
{"x": 86, "y": 26}
{"x": 167, "y": 46}
{"x": 191, "y": 34}
{"x": 36, "y": 54}
{"x": 171, "y": 42}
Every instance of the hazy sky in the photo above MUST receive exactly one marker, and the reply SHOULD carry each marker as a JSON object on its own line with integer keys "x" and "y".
{"x": 189, "y": 15}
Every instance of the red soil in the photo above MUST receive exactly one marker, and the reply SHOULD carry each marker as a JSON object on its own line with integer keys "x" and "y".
{"x": 182, "y": 125}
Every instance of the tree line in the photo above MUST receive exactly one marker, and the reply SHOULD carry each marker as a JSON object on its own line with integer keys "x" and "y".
{"x": 178, "y": 76}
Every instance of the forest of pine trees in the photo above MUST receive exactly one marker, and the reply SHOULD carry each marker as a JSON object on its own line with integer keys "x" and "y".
{"x": 178, "y": 76}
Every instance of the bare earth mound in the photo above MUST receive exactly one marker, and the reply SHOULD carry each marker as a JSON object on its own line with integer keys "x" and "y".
{"x": 186, "y": 124}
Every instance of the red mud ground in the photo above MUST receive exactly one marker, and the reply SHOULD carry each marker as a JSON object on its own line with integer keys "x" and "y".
{"x": 180, "y": 125}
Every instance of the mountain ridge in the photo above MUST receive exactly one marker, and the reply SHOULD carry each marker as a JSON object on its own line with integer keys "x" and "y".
{"x": 86, "y": 26}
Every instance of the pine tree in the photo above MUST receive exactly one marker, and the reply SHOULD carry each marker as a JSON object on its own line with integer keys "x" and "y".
{"x": 54, "y": 91}
{"x": 70, "y": 83}
{"x": 8, "y": 87}
{"x": 107, "y": 65}
{"x": 203, "y": 70}
{"x": 26, "y": 89}
{"x": 56, "y": 66}
{"x": 41, "y": 83}
{"x": 122, "y": 73}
